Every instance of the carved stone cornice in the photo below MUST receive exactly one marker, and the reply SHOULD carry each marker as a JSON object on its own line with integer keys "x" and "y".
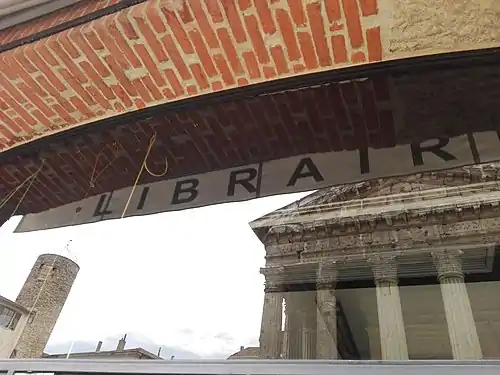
{"x": 452, "y": 214}
{"x": 448, "y": 263}
{"x": 425, "y": 236}
{"x": 384, "y": 267}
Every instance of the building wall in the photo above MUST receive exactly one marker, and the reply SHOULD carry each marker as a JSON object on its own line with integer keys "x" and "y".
{"x": 9, "y": 338}
{"x": 44, "y": 293}
{"x": 419, "y": 27}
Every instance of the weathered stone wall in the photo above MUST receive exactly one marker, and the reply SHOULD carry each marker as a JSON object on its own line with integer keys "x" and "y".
{"x": 44, "y": 293}
{"x": 355, "y": 243}
{"x": 434, "y": 26}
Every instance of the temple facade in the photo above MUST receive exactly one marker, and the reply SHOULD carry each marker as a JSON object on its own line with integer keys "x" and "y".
{"x": 393, "y": 269}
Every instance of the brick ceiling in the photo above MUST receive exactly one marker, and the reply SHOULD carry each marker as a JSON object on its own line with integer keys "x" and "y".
{"x": 113, "y": 73}
{"x": 222, "y": 132}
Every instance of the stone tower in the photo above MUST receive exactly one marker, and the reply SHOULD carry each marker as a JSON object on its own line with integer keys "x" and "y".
{"x": 44, "y": 294}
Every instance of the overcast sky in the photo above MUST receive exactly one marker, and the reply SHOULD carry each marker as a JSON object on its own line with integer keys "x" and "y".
{"x": 187, "y": 280}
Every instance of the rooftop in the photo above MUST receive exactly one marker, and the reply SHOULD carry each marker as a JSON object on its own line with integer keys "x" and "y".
{"x": 13, "y": 305}
{"x": 138, "y": 353}
{"x": 246, "y": 353}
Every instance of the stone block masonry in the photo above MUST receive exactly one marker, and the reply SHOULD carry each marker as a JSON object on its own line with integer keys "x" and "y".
{"x": 44, "y": 293}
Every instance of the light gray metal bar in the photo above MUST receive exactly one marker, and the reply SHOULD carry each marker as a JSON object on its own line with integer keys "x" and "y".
{"x": 252, "y": 367}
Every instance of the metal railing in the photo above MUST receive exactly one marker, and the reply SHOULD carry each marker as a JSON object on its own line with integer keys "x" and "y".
{"x": 248, "y": 367}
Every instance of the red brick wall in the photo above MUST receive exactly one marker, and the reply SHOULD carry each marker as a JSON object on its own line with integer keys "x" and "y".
{"x": 163, "y": 50}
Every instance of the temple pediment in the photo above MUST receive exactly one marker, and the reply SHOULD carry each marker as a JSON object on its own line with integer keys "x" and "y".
{"x": 423, "y": 190}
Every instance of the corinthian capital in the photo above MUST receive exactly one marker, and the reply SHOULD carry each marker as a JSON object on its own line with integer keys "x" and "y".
{"x": 384, "y": 267}
{"x": 326, "y": 275}
{"x": 448, "y": 263}
{"x": 274, "y": 278}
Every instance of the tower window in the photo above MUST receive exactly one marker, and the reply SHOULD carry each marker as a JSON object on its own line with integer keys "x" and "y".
{"x": 8, "y": 318}
{"x": 31, "y": 317}
{"x": 45, "y": 271}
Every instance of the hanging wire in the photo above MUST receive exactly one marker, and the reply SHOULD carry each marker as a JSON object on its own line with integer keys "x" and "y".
{"x": 151, "y": 143}
{"x": 144, "y": 167}
{"x": 70, "y": 253}
{"x": 94, "y": 176}
{"x": 13, "y": 192}
{"x": 92, "y": 180}
{"x": 31, "y": 179}
{"x": 91, "y": 185}
{"x": 66, "y": 247}
{"x": 57, "y": 256}
{"x": 35, "y": 175}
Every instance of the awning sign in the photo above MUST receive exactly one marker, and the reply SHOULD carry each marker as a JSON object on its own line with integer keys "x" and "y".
{"x": 289, "y": 175}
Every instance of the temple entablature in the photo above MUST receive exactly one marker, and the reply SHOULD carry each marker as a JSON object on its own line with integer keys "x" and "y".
{"x": 474, "y": 258}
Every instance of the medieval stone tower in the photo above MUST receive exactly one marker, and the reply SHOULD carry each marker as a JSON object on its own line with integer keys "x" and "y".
{"x": 44, "y": 294}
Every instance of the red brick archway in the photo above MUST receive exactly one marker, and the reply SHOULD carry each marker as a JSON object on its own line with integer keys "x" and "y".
{"x": 222, "y": 83}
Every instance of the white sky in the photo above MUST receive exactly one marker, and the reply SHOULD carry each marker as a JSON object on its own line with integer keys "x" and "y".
{"x": 187, "y": 279}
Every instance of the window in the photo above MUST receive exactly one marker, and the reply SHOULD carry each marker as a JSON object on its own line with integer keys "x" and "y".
{"x": 8, "y": 318}
{"x": 46, "y": 270}
{"x": 31, "y": 317}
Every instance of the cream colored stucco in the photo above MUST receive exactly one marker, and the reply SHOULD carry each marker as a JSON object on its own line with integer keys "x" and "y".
{"x": 417, "y": 27}
{"x": 9, "y": 338}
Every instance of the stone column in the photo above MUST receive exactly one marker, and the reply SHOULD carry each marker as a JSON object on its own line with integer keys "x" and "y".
{"x": 294, "y": 325}
{"x": 326, "y": 334}
{"x": 309, "y": 327}
{"x": 286, "y": 333}
{"x": 307, "y": 344}
{"x": 461, "y": 325}
{"x": 270, "y": 333}
{"x": 300, "y": 325}
{"x": 390, "y": 315}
